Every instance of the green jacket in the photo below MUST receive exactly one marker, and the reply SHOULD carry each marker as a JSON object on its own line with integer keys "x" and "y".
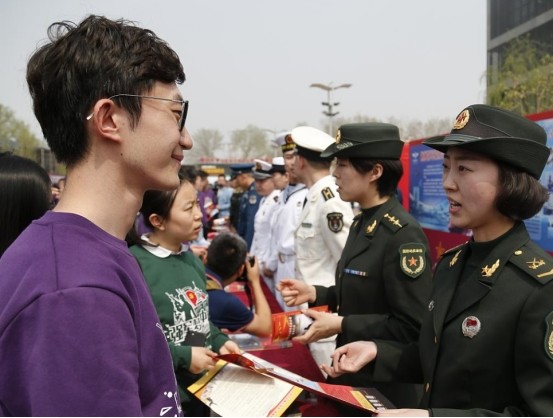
{"x": 177, "y": 284}
{"x": 486, "y": 346}
{"x": 383, "y": 285}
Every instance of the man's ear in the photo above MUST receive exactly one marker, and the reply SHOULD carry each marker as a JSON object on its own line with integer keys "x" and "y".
{"x": 241, "y": 270}
{"x": 107, "y": 120}
{"x": 157, "y": 221}
{"x": 301, "y": 161}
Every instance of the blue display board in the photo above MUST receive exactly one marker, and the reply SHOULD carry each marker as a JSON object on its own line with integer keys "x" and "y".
{"x": 540, "y": 226}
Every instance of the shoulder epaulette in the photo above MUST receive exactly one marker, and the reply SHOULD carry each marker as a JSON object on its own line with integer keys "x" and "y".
{"x": 392, "y": 222}
{"x": 534, "y": 261}
{"x": 327, "y": 193}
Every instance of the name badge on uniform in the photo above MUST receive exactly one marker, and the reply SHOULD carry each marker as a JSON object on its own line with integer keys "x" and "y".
{"x": 306, "y": 225}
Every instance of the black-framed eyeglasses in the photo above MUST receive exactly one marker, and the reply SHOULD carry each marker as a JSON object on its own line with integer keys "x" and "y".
{"x": 184, "y": 104}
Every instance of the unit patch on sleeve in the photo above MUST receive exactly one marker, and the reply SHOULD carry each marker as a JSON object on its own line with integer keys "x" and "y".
{"x": 411, "y": 259}
{"x": 335, "y": 221}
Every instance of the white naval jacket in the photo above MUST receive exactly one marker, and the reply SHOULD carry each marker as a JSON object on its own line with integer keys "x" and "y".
{"x": 262, "y": 227}
{"x": 322, "y": 233}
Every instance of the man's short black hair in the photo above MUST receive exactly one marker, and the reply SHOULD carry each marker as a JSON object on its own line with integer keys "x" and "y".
{"x": 83, "y": 63}
{"x": 226, "y": 254}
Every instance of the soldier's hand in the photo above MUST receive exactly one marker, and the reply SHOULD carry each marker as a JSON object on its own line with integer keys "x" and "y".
{"x": 351, "y": 358}
{"x": 295, "y": 292}
{"x": 324, "y": 325}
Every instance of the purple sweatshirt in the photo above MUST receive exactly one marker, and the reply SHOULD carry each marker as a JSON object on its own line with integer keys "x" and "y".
{"x": 79, "y": 334}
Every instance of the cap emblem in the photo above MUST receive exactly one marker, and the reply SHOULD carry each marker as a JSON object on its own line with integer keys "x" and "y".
{"x": 462, "y": 119}
{"x": 338, "y": 136}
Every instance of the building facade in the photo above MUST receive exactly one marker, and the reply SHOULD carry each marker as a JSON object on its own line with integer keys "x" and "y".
{"x": 510, "y": 19}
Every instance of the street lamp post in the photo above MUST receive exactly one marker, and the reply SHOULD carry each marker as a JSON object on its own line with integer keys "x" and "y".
{"x": 274, "y": 145}
{"x": 329, "y": 105}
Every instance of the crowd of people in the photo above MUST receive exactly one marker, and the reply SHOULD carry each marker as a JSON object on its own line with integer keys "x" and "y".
{"x": 112, "y": 284}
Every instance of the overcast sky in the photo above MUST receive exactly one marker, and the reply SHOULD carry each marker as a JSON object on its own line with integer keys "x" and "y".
{"x": 252, "y": 61}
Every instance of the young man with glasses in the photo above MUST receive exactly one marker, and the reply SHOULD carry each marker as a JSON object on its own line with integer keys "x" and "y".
{"x": 79, "y": 334}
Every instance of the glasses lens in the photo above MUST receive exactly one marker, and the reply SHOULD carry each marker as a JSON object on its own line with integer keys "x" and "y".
{"x": 183, "y": 115}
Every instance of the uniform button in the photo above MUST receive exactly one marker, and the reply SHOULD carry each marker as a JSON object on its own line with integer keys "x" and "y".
{"x": 427, "y": 387}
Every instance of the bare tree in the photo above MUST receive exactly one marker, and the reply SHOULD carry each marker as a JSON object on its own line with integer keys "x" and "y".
{"x": 251, "y": 142}
{"x": 206, "y": 143}
{"x": 411, "y": 129}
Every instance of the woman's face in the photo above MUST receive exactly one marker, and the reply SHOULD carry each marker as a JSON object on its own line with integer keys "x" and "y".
{"x": 352, "y": 185}
{"x": 471, "y": 183}
{"x": 184, "y": 222}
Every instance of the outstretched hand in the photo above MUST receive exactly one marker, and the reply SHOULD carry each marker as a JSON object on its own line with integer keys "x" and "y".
{"x": 295, "y": 292}
{"x": 351, "y": 358}
{"x": 324, "y": 325}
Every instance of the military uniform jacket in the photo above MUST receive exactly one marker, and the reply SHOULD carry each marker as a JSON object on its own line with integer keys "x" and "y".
{"x": 285, "y": 222}
{"x": 249, "y": 203}
{"x": 383, "y": 285}
{"x": 487, "y": 345}
{"x": 262, "y": 227}
{"x": 383, "y": 279}
{"x": 322, "y": 232}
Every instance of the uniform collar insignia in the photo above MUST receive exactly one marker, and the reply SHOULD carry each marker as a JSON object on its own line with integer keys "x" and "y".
{"x": 489, "y": 271}
{"x": 455, "y": 258}
{"x": 371, "y": 227}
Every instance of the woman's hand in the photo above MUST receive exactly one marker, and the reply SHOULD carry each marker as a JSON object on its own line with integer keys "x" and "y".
{"x": 202, "y": 359}
{"x": 295, "y": 292}
{"x": 351, "y": 358}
